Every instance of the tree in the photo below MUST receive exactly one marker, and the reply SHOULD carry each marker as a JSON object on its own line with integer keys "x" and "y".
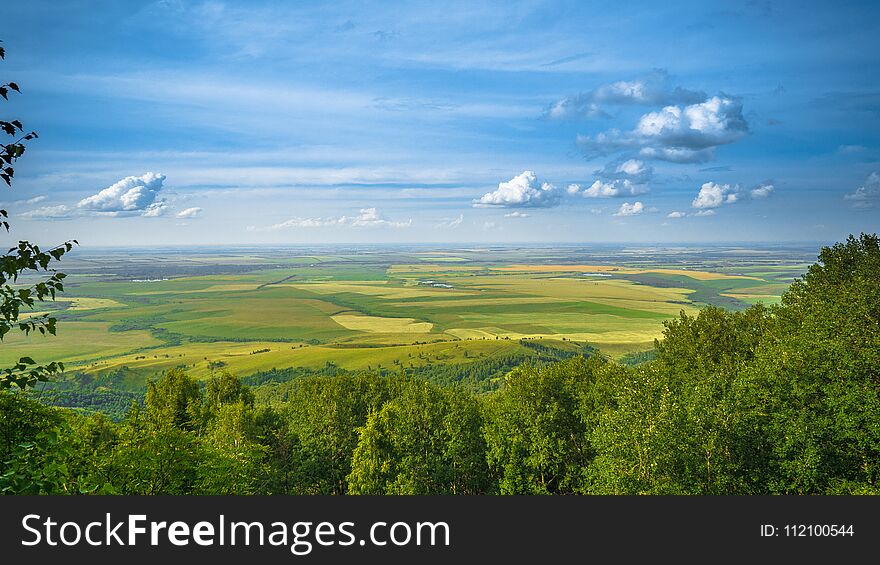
{"x": 537, "y": 427}
{"x": 21, "y": 259}
{"x": 818, "y": 375}
{"x": 174, "y": 400}
{"x": 425, "y": 440}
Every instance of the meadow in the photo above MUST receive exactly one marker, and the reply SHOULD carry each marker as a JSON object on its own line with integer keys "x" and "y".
{"x": 250, "y": 310}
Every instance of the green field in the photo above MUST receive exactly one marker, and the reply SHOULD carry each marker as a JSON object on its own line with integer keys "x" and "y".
{"x": 388, "y": 309}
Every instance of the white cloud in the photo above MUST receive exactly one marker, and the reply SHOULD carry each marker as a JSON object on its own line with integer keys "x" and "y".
{"x": 676, "y": 214}
{"x": 763, "y": 190}
{"x": 601, "y": 189}
{"x": 367, "y": 218}
{"x": 634, "y": 170}
{"x": 571, "y": 107}
{"x": 713, "y": 195}
{"x": 59, "y": 211}
{"x": 651, "y": 89}
{"x": 678, "y": 154}
{"x": 128, "y": 196}
{"x": 516, "y": 215}
{"x": 680, "y": 134}
{"x": 716, "y": 121}
{"x": 190, "y": 212}
{"x": 867, "y": 195}
{"x": 451, "y": 223}
{"x": 33, "y": 200}
{"x": 704, "y": 213}
{"x": 522, "y": 191}
{"x": 627, "y": 209}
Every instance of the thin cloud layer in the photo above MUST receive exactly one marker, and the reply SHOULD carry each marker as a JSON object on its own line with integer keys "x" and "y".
{"x": 367, "y": 218}
{"x": 653, "y": 89}
{"x": 193, "y": 212}
{"x": 867, "y": 195}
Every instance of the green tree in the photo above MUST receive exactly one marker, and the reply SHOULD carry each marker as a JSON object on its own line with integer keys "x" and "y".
{"x": 818, "y": 375}
{"x": 425, "y": 440}
{"x": 24, "y": 259}
{"x": 322, "y": 417}
{"x": 537, "y": 426}
{"x": 174, "y": 400}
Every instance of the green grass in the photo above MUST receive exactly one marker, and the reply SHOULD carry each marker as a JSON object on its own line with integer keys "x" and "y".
{"x": 363, "y": 311}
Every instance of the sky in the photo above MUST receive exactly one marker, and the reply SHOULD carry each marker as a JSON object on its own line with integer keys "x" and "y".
{"x": 177, "y": 122}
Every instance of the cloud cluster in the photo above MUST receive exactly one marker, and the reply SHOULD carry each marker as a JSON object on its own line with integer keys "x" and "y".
{"x": 653, "y": 89}
{"x": 601, "y": 189}
{"x": 633, "y": 170}
{"x": 627, "y": 209}
{"x": 131, "y": 196}
{"x": 713, "y": 195}
{"x": 366, "y": 218}
{"x": 762, "y": 191}
{"x": 867, "y": 195}
{"x": 522, "y": 191}
{"x": 193, "y": 212}
{"x": 680, "y": 134}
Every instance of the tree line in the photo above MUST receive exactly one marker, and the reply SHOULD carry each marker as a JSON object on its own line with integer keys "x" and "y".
{"x": 769, "y": 400}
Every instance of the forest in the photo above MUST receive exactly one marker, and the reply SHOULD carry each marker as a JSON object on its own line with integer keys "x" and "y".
{"x": 780, "y": 399}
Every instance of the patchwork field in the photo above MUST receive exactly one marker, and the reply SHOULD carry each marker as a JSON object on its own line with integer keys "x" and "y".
{"x": 254, "y": 310}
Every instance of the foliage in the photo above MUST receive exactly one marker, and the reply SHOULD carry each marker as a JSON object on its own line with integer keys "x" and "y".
{"x": 425, "y": 440}
{"x": 21, "y": 259}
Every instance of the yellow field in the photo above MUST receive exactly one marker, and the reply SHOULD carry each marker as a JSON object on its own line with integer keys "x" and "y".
{"x": 376, "y": 324}
{"x": 242, "y": 359}
{"x": 698, "y": 275}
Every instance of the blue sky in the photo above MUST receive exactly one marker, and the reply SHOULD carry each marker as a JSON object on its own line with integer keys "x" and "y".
{"x": 175, "y": 122}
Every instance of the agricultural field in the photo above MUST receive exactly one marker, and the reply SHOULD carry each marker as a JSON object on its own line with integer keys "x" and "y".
{"x": 247, "y": 310}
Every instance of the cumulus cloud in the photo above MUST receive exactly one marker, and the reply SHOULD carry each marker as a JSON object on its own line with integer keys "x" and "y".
{"x": 627, "y": 209}
{"x": 713, "y": 195}
{"x": 680, "y": 134}
{"x": 193, "y": 212}
{"x": 867, "y": 195}
{"x": 129, "y": 195}
{"x": 522, "y": 191}
{"x": 634, "y": 170}
{"x": 653, "y": 89}
{"x": 676, "y": 214}
{"x": 601, "y": 189}
{"x": 516, "y": 215}
{"x": 367, "y": 218}
{"x": 762, "y": 191}
{"x": 704, "y": 213}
